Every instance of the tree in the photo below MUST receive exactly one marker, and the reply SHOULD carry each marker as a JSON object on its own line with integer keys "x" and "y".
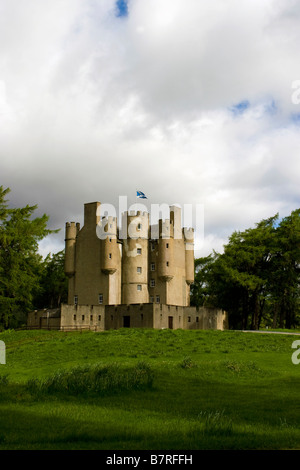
{"x": 257, "y": 276}
{"x": 53, "y": 283}
{"x": 285, "y": 272}
{"x": 20, "y": 262}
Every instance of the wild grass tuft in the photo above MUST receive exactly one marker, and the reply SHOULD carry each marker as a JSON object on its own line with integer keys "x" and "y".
{"x": 98, "y": 379}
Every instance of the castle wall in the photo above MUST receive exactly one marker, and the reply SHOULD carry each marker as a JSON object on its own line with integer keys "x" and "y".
{"x": 82, "y": 317}
{"x": 189, "y": 318}
{"x": 44, "y": 319}
{"x": 105, "y": 317}
{"x": 129, "y": 316}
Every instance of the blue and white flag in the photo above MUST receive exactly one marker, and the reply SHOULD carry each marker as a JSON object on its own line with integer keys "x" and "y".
{"x": 141, "y": 195}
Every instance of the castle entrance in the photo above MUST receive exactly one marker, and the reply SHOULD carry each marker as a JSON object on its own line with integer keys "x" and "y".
{"x": 170, "y": 323}
{"x": 126, "y": 321}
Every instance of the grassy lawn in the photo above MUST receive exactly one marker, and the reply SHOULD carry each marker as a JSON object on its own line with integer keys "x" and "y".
{"x": 210, "y": 390}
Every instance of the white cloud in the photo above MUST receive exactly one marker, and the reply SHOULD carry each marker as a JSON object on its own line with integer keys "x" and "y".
{"x": 92, "y": 106}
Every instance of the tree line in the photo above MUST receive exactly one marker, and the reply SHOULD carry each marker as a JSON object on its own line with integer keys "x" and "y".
{"x": 27, "y": 280}
{"x": 256, "y": 278}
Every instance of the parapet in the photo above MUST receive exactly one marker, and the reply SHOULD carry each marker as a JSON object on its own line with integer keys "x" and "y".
{"x": 188, "y": 234}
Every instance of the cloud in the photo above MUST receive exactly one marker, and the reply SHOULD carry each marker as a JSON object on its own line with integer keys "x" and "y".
{"x": 191, "y": 102}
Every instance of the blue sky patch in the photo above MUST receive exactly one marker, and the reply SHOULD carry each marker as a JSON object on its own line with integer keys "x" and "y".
{"x": 240, "y": 107}
{"x": 296, "y": 118}
{"x": 121, "y": 8}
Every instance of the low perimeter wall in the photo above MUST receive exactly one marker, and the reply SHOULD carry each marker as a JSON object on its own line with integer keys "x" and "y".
{"x": 105, "y": 317}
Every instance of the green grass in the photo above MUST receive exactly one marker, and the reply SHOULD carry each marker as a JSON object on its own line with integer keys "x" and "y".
{"x": 149, "y": 389}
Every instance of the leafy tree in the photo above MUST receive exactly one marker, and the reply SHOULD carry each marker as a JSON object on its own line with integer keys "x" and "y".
{"x": 20, "y": 262}
{"x": 53, "y": 283}
{"x": 257, "y": 277}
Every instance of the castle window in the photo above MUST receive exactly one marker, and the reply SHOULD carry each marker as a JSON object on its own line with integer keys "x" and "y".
{"x": 110, "y": 239}
{"x": 152, "y": 283}
{"x": 139, "y": 251}
{"x": 197, "y": 319}
{"x": 82, "y": 318}
{"x": 142, "y": 317}
{"x": 152, "y": 246}
{"x": 100, "y": 298}
{"x": 157, "y": 299}
{"x": 75, "y": 299}
{"x": 99, "y": 317}
{"x": 189, "y": 319}
{"x": 74, "y": 317}
{"x": 139, "y": 269}
{"x": 167, "y": 263}
{"x": 151, "y": 298}
{"x": 109, "y": 255}
{"x": 152, "y": 266}
{"x": 91, "y": 318}
{"x": 167, "y": 245}
{"x": 139, "y": 227}
{"x": 139, "y": 287}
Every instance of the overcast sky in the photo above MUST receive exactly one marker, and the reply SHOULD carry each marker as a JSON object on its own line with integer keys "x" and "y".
{"x": 191, "y": 101}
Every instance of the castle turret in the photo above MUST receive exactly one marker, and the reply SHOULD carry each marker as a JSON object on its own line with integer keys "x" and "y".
{"x": 135, "y": 258}
{"x": 109, "y": 245}
{"x": 165, "y": 268}
{"x": 70, "y": 242}
{"x": 189, "y": 255}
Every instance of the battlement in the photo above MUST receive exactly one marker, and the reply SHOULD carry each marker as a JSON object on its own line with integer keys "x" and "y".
{"x": 188, "y": 234}
{"x": 136, "y": 214}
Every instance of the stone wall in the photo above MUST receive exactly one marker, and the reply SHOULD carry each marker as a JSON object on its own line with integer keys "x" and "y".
{"x": 75, "y": 317}
{"x": 150, "y": 315}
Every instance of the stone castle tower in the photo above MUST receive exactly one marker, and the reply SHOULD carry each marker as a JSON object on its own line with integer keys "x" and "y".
{"x": 137, "y": 275}
{"x": 134, "y": 264}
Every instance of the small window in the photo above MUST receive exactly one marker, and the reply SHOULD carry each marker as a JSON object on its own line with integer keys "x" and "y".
{"x": 151, "y": 298}
{"x": 100, "y": 298}
{"x": 109, "y": 255}
{"x": 91, "y": 318}
{"x": 111, "y": 317}
{"x": 139, "y": 251}
{"x": 99, "y": 317}
{"x": 82, "y": 318}
{"x": 142, "y": 316}
{"x": 152, "y": 283}
{"x": 110, "y": 239}
{"x": 189, "y": 319}
{"x": 152, "y": 266}
{"x": 167, "y": 245}
{"x": 152, "y": 246}
{"x": 157, "y": 299}
{"x": 74, "y": 317}
{"x": 197, "y": 319}
{"x": 139, "y": 287}
{"x": 139, "y": 227}
{"x": 76, "y": 299}
{"x": 167, "y": 263}
{"x": 139, "y": 269}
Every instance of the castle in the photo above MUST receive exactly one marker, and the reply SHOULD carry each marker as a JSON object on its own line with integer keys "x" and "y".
{"x": 135, "y": 275}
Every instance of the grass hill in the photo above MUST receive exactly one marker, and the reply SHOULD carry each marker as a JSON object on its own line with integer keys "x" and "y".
{"x": 149, "y": 389}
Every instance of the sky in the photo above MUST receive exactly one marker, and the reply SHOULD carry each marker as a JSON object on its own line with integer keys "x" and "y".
{"x": 195, "y": 103}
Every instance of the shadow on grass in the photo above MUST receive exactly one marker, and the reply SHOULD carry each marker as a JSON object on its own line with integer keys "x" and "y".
{"x": 186, "y": 414}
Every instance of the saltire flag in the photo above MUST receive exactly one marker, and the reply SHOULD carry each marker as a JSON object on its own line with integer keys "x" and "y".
{"x": 141, "y": 195}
